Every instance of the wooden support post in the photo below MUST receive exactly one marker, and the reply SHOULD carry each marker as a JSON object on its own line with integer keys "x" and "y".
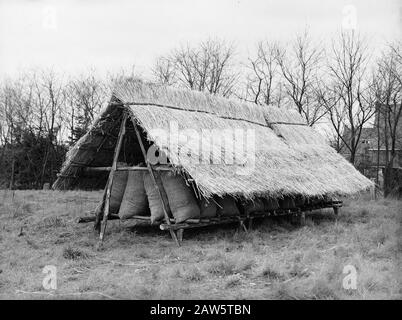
{"x": 180, "y": 235}
{"x": 250, "y": 223}
{"x": 111, "y": 176}
{"x": 303, "y": 218}
{"x": 158, "y": 183}
{"x": 242, "y": 225}
{"x": 98, "y": 212}
{"x": 336, "y": 210}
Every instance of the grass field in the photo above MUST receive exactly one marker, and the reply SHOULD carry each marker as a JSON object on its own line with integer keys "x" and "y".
{"x": 277, "y": 260}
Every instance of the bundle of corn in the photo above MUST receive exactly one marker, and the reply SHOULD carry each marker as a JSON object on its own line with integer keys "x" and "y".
{"x": 313, "y": 200}
{"x": 271, "y": 204}
{"x": 117, "y": 190}
{"x": 181, "y": 198}
{"x": 207, "y": 208}
{"x": 154, "y": 201}
{"x": 257, "y": 205}
{"x": 299, "y": 201}
{"x": 134, "y": 200}
{"x": 260, "y": 205}
{"x": 227, "y": 207}
{"x": 287, "y": 203}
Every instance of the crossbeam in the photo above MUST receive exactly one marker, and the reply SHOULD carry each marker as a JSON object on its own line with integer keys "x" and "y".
{"x": 130, "y": 168}
{"x": 179, "y": 226}
{"x": 217, "y": 220}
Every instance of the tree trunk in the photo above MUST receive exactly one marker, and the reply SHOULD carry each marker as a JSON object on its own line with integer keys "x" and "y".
{"x": 352, "y": 156}
{"x": 387, "y": 179}
{"x": 12, "y": 174}
{"x": 378, "y": 144}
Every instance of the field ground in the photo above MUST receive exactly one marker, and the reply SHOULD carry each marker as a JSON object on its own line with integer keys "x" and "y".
{"x": 277, "y": 260}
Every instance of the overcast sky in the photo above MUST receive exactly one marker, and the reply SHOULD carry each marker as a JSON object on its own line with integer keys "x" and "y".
{"x": 72, "y": 36}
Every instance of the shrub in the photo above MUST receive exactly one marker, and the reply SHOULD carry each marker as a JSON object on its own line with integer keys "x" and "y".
{"x": 222, "y": 268}
{"x": 193, "y": 274}
{"x": 233, "y": 280}
{"x": 71, "y": 253}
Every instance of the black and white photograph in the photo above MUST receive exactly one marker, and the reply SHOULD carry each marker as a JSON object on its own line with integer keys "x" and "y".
{"x": 199, "y": 155}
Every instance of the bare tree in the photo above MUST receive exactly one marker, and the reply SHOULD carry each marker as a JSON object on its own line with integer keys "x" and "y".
{"x": 8, "y": 124}
{"x": 164, "y": 71}
{"x": 54, "y": 102}
{"x": 300, "y": 66}
{"x": 17, "y": 117}
{"x": 347, "y": 99}
{"x": 261, "y": 87}
{"x": 206, "y": 67}
{"x": 86, "y": 96}
{"x": 329, "y": 98}
{"x": 388, "y": 92}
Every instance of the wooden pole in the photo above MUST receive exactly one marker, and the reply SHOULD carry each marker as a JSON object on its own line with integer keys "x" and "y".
{"x": 303, "y": 218}
{"x": 92, "y": 218}
{"x": 158, "y": 183}
{"x": 127, "y": 168}
{"x": 99, "y": 210}
{"x": 180, "y": 235}
{"x": 86, "y": 219}
{"x": 336, "y": 211}
{"x": 242, "y": 225}
{"x": 185, "y": 225}
{"x": 250, "y": 223}
{"x": 111, "y": 175}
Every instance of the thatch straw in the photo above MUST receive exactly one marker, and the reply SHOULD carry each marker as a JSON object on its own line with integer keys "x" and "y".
{"x": 290, "y": 157}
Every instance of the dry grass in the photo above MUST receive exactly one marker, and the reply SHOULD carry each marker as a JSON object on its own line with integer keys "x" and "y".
{"x": 277, "y": 260}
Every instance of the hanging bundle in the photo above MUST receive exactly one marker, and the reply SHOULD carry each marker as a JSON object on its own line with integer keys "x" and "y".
{"x": 227, "y": 207}
{"x": 181, "y": 198}
{"x": 134, "y": 202}
{"x": 117, "y": 190}
{"x": 207, "y": 208}
{"x": 154, "y": 201}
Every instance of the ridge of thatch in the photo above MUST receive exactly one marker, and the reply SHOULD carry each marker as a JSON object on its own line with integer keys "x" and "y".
{"x": 291, "y": 158}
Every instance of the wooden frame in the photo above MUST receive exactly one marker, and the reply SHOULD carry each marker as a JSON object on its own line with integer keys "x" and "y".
{"x": 102, "y": 212}
{"x": 241, "y": 219}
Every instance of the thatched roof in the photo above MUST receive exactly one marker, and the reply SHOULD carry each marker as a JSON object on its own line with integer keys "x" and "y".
{"x": 291, "y": 157}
